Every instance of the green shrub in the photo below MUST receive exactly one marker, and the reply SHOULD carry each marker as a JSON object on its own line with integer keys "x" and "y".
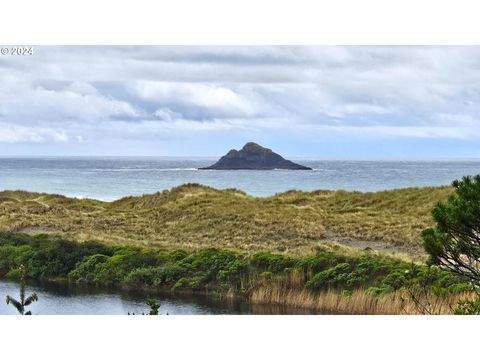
{"x": 129, "y": 258}
{"x": 182, "y": 283}
{"x": 141, "y": 277}
{"x": 233, "y": 272}
{"x": 210, "y": 262}
{"x": 44, "y": 256}
{"x": 468, "y": 307}
{"x": 108, "y": 273}
{"x": 347, "y": 275}
{"x": 321, "y": 261}
{"x": 395, "y": 280}
{"x": 12, "y": 256}
{"x": 177, "y": 255}
{"x": 86, "y": 270}
{"x": 171, "y": 273}
{"x": 155, "y": 276}
{"x": 273, "y": 262}
{"x": 375, "y": 290}
{"x": 330, "y": 278}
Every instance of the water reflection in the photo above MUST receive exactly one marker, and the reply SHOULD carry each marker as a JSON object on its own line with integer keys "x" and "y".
{"x": 70, "y": 299}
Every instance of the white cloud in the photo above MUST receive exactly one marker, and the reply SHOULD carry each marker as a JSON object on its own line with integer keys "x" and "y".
{"x": 165, "y": 114}
{"x": 82, "y": 88}
{"x": 343, "y": 110}
{"x": 208, "y": 96}
{"x": 32, "y": 104}
{"x": 446, "y": 132}
{"x": 18, "y": 134}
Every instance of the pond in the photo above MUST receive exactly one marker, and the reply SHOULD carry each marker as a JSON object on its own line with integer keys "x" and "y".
{"x": 69, "y": 299}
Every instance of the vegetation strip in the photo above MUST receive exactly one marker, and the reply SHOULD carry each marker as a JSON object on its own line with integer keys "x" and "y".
{"x": 259, "y": 277}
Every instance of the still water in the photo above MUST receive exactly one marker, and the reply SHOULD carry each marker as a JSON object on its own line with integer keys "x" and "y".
{"x": 67, "y": 299}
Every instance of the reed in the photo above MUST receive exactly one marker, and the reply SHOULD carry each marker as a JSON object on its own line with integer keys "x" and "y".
{"x": 358, "y": 302}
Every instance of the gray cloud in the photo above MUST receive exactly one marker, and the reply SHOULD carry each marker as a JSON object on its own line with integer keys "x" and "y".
{"x": 83, "y": 94}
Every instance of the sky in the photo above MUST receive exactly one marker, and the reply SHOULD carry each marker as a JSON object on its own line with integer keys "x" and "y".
{"x": 301, "y": 101}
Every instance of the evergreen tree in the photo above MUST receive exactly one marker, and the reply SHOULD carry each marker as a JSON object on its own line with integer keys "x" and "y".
{"x": 454, "y": 243}
{"x": 23, "y": 302}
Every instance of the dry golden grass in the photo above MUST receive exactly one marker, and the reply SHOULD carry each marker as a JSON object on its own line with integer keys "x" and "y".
{"x": 194, "y": 216}
{"x": 359, "y": 302}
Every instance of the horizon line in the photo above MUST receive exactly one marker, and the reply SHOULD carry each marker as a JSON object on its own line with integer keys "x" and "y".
{"x": 218, "y": 156}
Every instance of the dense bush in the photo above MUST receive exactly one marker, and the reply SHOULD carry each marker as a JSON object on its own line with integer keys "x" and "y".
{"x": 110, "y": 270}
{"x": 320, "y": 261}
{"x": 273, "y": 262}
{"x": 211, "y": 269}
{"x": 395, "y": 280}
{"x": 167, "y": 274}
{"x": 342, "y": 272}
{"x": 85, "y": 270}
{"x": 45, "y": 257}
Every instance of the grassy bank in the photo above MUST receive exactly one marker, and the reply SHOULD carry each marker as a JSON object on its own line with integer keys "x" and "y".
{"x": 194, "y": 217}
{"x": 327, "y": 281}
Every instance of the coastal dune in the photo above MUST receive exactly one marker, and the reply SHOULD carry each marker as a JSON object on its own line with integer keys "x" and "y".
{"x": 195, "y": 216}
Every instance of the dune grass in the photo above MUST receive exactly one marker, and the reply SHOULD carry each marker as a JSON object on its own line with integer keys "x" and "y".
{"x": 193, "y": 216}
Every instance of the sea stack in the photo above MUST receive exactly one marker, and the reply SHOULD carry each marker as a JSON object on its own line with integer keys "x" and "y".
{"x": 254, "y": 157}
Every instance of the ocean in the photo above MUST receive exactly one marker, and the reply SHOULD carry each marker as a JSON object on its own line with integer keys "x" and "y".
{"x": 111, "y": 178}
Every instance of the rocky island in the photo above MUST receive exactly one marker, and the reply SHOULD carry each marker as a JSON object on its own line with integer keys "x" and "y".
{"x": 254, "y": 157}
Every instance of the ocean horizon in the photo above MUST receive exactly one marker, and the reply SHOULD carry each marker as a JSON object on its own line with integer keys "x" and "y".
{"x": 109, "y": 178}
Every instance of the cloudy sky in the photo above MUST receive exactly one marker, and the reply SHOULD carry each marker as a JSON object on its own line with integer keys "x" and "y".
{"x": 328, "y": 102}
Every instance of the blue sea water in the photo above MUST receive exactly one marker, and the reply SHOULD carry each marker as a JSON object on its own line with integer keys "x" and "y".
{"x": 115, "y": 177}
